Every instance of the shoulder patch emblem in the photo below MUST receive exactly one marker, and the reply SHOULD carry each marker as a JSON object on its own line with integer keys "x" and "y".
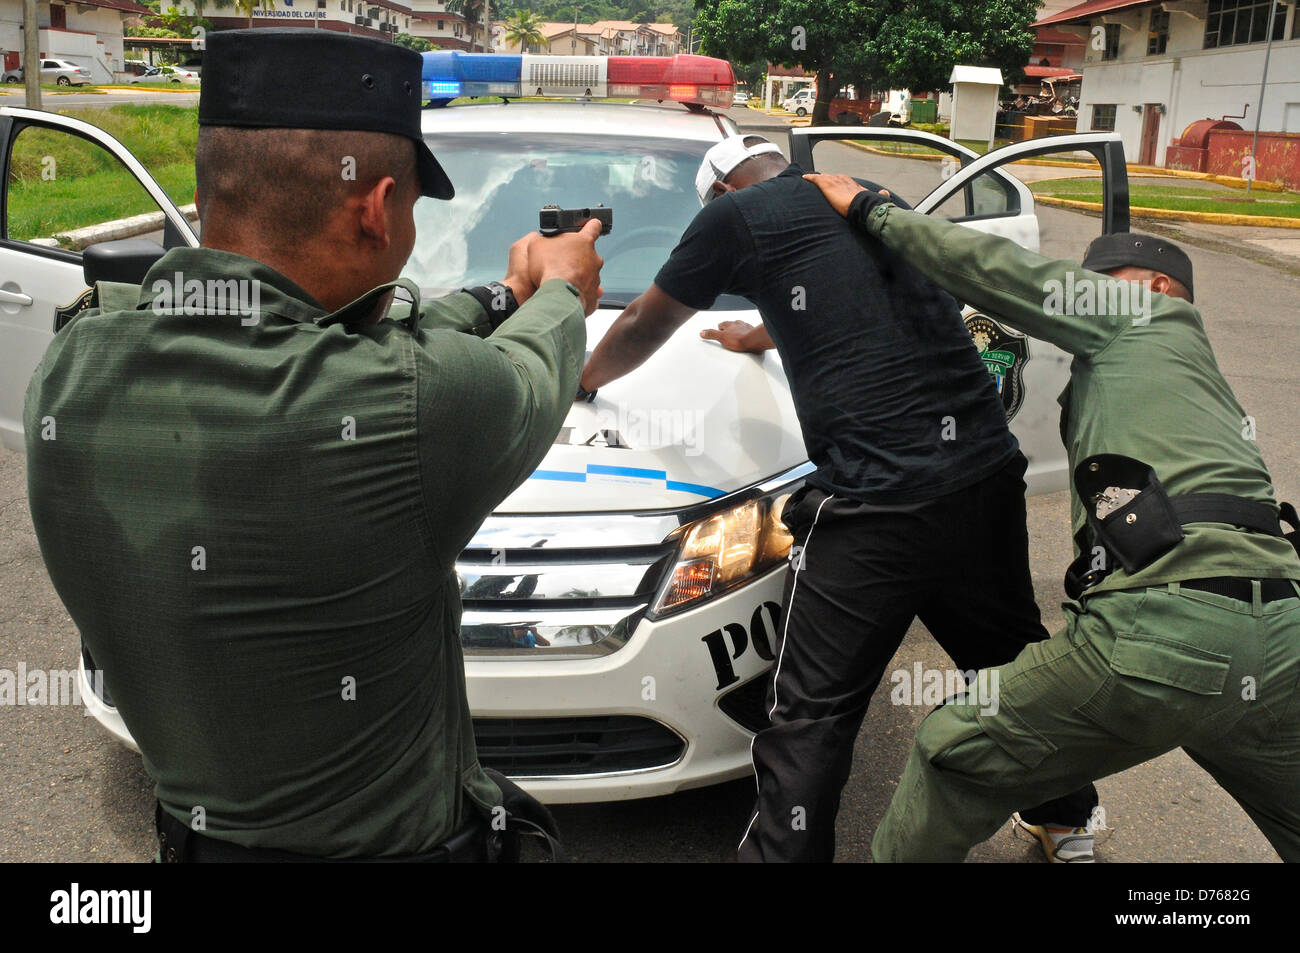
{"x": 1005, "y": 353}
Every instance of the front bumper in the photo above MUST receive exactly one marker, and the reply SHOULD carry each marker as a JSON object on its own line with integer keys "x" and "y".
{"x": 678, "y": 673}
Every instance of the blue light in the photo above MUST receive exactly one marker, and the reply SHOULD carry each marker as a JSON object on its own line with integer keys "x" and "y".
{"x": 441, "y": 89}
{"x": 451, "y": 73}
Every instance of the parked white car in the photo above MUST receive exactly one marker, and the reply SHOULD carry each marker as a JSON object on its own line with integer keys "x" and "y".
{"x": 621, "y": 607}
{"x": 166, "y": 74}
{"x": 57, "y": 72}
{"x": 801, "y": 103}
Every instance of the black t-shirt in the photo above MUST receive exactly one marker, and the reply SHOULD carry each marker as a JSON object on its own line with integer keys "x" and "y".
{"x": 894, "y": 402}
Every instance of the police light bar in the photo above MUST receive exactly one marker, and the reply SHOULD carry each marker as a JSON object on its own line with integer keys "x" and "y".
{"x": 684, "y": 78}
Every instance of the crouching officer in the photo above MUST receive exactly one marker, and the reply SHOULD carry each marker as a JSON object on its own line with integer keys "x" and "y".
{"x": 1184, "y": 624}
{"x": 253, "y": 513}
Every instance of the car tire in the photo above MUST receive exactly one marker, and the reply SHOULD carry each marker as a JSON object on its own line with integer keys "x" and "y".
{"x": 801, "y": 112}
{"x": 175, "y": 80}
{"x": 64, "y": 81}
{"x": 12, "y": 79}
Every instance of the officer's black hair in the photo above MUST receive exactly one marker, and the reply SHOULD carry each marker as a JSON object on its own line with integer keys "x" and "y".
{"x": 284, "y": 184}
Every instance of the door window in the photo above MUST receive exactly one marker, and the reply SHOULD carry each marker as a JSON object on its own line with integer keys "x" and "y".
{"x": 60, "y": 183}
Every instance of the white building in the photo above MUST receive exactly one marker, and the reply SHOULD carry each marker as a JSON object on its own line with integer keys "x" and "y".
{"x": 558, "y": 39}
{"x": 625, "y": 38}
{"x": 87, "y": 32}
{"x": 381, "y": 19}
{"x": 1153, "y": 68}
{"x": 448, "y": 31}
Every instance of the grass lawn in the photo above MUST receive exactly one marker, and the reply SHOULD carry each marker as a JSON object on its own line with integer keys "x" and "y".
{"x": 20, "y": 90}
{"x": 1176, "y": 197}
{"x": 59, "y": 182}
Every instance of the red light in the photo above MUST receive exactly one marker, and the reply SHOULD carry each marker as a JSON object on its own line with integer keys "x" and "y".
{"x": 684, "y": 78}
{"x": 637, "y": 70}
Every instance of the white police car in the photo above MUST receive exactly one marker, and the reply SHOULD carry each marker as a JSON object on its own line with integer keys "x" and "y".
{"x": 622, "y": 606}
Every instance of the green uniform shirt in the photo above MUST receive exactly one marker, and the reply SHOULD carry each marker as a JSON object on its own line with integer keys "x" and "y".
{"x": 1143, "y": 383}
{"x": 254, "y": 525}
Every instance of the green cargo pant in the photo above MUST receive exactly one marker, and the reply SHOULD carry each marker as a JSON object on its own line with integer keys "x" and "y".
{"x": 1133, "y": 674}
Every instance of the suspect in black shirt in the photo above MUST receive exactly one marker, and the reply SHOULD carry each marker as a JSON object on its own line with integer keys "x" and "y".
{"x": 893, "y": 400}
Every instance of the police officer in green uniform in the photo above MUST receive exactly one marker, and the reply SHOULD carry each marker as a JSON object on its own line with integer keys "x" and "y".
{"x": 1183, "y": 628}
{"x": 251, "y": 475}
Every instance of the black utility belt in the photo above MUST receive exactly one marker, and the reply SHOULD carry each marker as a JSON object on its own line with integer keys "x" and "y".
{"x": 1243, "y": 590}
{"x": 178, "y": 843}
{"x": 1141, "y": 522}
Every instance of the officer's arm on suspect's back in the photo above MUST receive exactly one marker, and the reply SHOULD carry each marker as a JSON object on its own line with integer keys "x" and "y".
{"x": 988, "y": 272}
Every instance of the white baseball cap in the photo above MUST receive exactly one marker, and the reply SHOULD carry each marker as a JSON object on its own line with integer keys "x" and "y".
{"x": 722, "y": 159}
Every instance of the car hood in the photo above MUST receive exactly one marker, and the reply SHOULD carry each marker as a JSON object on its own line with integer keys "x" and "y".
{"x": 693, "y": 423}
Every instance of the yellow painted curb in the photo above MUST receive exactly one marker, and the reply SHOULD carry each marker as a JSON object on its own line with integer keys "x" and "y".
{"x": 1207, "y": 218}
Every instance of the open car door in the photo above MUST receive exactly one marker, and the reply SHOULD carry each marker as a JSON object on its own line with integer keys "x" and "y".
{"x": 67, "y": 184}
{"x": 997, "y": 193}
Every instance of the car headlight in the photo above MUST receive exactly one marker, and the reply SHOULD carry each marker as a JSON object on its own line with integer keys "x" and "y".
{"x": 726, "y": 550}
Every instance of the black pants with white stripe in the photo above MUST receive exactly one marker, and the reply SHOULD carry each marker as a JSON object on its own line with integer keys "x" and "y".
{"x": 859, "y": 575}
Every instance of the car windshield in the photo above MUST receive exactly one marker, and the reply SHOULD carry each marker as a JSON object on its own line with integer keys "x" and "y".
{"x": 502, "y": 180}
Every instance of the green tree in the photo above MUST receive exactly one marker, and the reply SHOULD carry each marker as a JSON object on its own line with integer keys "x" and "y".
{"x": 417, "y": 43}
{"x": 901, "y": 44}
{"x": 472, "y": 11}
{"x": 524, "y": 28}
{"x": 246, "y": 7}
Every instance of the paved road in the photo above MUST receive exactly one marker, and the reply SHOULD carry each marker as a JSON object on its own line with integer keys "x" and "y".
{"x": 67, "y": 793}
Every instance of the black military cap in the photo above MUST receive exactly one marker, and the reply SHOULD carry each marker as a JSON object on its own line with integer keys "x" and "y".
{"x": 1139, "y": 251}
{"x": 317, "y": 79}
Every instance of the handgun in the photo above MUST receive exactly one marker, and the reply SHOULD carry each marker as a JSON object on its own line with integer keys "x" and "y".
{"x": 552, "y": 220}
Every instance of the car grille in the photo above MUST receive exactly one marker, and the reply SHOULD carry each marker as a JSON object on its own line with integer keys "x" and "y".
{"x": 552, "y": 747}
{"x": 561, "y": 586}
{"x": 747, "y": 704}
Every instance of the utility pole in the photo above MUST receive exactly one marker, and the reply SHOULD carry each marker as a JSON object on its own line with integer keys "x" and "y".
{"x": 1259, "y": 110}
{"x": 31, "y": 54}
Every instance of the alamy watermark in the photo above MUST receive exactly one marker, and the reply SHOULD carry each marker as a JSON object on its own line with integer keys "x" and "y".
{"x": 37, "y": 687}
{"x": 635, "y": 428}
{"x": 217, "y": 296}
{"x": 931, "y": 686}
{"x": 1086, "y": 296}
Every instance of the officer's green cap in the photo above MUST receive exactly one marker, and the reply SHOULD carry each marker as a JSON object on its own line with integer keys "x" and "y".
{"x": 317, "y": 79}
{"x": 1139, "y": 251}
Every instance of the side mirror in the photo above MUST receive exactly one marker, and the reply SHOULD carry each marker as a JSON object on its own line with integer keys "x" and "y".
{"x": 127, "y": 260}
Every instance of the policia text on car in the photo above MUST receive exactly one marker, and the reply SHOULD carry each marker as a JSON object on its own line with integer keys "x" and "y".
{"x": 1188, "y": 633}
{"x": 254, "y": 523}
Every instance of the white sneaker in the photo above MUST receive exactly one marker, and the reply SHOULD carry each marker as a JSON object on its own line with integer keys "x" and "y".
{"x": 1063, "y": 845}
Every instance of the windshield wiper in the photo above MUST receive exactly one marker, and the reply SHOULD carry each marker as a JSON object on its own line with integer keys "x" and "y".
{"x": 608, "y": 302}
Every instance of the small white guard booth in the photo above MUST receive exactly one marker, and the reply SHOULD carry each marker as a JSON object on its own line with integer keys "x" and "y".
{"x": 974, "y": 102}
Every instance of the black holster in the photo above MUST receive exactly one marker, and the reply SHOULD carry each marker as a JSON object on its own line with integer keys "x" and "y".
{"x": 1144, "y": 528}
{"x": 1149, "y": 525}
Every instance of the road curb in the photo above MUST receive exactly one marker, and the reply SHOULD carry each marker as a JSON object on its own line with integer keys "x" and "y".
{"x": 1230, "y": 181}
{"x": 79, "y": 238}
{"x": 1204, "y": 218}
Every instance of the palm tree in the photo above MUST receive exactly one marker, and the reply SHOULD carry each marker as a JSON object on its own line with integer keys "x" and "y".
{"x": 471, "y": 10}
{"x": 524, "y": 28}
{"x": 246, "y": 7}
